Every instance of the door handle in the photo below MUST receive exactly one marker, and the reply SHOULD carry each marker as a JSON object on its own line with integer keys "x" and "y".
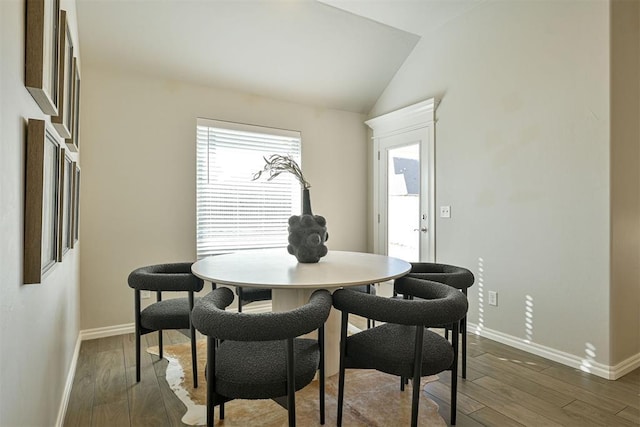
{"x": 423, "y": 229}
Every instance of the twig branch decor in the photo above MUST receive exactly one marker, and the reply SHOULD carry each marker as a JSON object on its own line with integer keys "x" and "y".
{"x": 277, "y": 164}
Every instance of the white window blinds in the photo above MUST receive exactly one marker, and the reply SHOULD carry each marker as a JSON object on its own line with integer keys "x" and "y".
{"x": 234, "y": 212}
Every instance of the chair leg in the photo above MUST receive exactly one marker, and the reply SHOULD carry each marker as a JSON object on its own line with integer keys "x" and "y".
{"x": 239, "y": 300}
{"x": 138, "y": 333}
{"x": 321, "y": 380}
{"x": 343, "y": 347}
{"x": 158, "y": 299}
{"x": 194, "y": 358}
{"x": 217, "y": 344}
{"x": 291, "y": 383}
{"x": 417, "y": 374}
{"x": 463, "y": 329}
{"x": 403, "y": 382}
{"x": 454, "y": 374}
{"x": 137, "y": 356}
{"x": 211, "y": 363}
{"x": 369, "y": 320}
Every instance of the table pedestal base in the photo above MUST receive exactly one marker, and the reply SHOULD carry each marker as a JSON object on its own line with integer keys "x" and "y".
{"x": 288, "y": 299}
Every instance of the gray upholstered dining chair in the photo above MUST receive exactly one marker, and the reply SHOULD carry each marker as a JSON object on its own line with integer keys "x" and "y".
{"x": 259, "y": 356}
{"x": 165, "y": 314}
{"x": 403, "y": 346}
{"x": 454, "y": 276}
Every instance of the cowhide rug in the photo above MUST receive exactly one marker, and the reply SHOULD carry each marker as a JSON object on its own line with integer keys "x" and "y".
{"x": 371, "y": 398}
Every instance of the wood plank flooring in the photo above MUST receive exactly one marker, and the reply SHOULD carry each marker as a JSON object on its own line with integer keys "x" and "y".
{"x": 504, "y": 387}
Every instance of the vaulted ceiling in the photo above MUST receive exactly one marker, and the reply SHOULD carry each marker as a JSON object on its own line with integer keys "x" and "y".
{"x": 302, "y": 51}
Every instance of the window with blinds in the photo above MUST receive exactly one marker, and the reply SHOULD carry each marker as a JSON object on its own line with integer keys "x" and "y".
{"x": 233, "y": 211}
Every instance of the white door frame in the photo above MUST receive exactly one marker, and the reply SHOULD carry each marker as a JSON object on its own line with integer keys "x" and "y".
{"x": 420, "y": 116}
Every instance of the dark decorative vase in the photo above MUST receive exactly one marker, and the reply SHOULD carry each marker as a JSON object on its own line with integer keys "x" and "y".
{"x": 307, "y": 233}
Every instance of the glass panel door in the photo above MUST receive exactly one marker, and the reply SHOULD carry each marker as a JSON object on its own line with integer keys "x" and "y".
{"x": 403, "y": 202}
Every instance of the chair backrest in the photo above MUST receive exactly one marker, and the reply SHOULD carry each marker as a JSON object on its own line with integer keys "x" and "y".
{"x": 165, "y": 277}
{"x": 452, "y": 275}
{"x": 210, "y": 318}
{"x": 439, "y": 304}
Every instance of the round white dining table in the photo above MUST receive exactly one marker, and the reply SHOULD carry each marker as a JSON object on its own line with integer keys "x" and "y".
{"x": 292, "y": 282}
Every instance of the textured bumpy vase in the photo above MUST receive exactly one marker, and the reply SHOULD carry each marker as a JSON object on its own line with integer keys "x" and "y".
{"x": 307, "y": 233}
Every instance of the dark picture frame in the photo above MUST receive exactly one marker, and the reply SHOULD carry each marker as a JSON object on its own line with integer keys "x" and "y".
{"x": 64, "y": 204}
{"x": 41, "y": 201}
{"x": 75, "y": 229}
{"x": 73, "y": 143}
{"x": 67, "y": 205}
{"x": 62, "y": 121}
{"x": 41, "y": 53}
{"x": 72, "y": 208}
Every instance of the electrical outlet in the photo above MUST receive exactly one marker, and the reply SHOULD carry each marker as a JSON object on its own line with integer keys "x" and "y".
{"x": 445, "y": 211}
{"x": 493, "y": 298}
{"x": 145, "y": 294}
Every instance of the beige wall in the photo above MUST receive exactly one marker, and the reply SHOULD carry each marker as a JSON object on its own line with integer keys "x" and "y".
{"x": 138, "y": 176}
{"x": 39, "y": 323}
{"x": 625, "y": 180}
{"x": 522, "y": 157}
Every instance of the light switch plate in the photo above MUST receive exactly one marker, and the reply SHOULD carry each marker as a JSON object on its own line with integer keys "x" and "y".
{"x": 493, "y": 298}
{"x": 445, "y": 211}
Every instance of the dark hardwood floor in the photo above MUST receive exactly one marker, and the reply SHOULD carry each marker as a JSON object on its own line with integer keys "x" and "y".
{"x": 504, "y": 387}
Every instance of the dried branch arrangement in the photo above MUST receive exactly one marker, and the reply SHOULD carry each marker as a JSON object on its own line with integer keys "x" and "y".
{"x": 277, "y": 164}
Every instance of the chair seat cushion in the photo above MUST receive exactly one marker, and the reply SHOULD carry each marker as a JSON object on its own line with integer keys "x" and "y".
{"x": 166, "y": 314}
{"x": 390, "y": 348}
{"x": 258, "y": 370}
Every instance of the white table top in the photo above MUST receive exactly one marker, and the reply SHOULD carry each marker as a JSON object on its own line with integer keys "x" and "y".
{"x": 276, "y": 268}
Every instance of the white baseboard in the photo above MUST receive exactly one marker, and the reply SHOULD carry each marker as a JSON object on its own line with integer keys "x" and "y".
{"x": 589, "y": 366}
{"x": 626, "y": 366}
{"x": 108, "y": 331}
{"x": 66, "y": 394}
